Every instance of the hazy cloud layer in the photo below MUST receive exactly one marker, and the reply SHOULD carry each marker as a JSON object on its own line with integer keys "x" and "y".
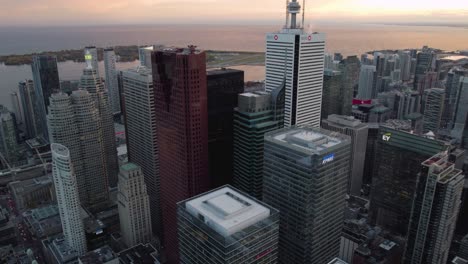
{"x": 70, "y": 12}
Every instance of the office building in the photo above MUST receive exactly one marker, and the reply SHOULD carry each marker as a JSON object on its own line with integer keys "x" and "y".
{"x": 350, "y": 68}
{"x": 306, "y": 177}
{"x": 9, "y": 147}
{"x": 358, "y": 132}
{"x": 425, "y": 63}
{"x": 68, "y": 200}
{"x": 30, "y": 193}
{"x": 179, "y": 77}
{"x": 299, "y": 57}
{"x": 405, "y": 65}
{"x": 366, "y": 82}
{"x": 102, "y": 255}
{"x": 463, "y": 251}
{"x": 16, "y": 107}
{"x": 28, "y": 104}
{"x": 257, "y": 113}
{"x": 139, "y": 254}
{"x": 91, "y": 82}
{"x": 332, "y": 98}
{"x": 433, "y": 109}
{"x": 452, "y": 86}
{"x": 223, "y": 87}
{"x": 111, "y": 80}
{"x": 134, "y": 210}
{"x": 461, "y": 108}
{"x": 74, "y": 122}
{"x": 399, "y": 155}
{"x": 435, "y": 210}
{"x": 91, "y": 54}
{"x": 227, "y": 226}
{"x": 145, "y": 56}
{"x": 46, "y": 82}
{"x": 140, "y": 128}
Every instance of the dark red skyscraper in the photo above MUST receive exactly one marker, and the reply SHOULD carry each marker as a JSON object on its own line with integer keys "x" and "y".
{"x": 179, "y": 77}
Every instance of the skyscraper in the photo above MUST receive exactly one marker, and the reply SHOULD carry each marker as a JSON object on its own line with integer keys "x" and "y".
{"x": 332, "y": 93}
{"x": 350, "y": 68}
{"x": 179, "y": 77}
{"x": 134, "y": 208}
{"x": 16, "y": 107}
{"x": 223, "y": 87}
{"x": 8, "y": 135}
{"x": 461, "y": 108}
{"x": 399, "y": 155}
{"x": 452, "y": 85}
{"x": 111, "y": 80}
{"x": 145, "y": 56}
{"x": 91, "y": 54}
{"x": 227, "y": 226}
{"x": 358, "y": 132}
{"x": 140, "y": 129}
{"x": 433, "y": 109}
{"x": 305, "y": 177}
{"x": 434, "y": 212}
{"x": 366, "y": 82}
{"x": 28, "y": 103}
{"x": 74, "y": 122}
{"x": 91, "y": 82}
{"x": 256, "y": 114}
{"x": 68, "y": 201}
{"x": 46, "y": 82}
{"x": 299, "y": 57}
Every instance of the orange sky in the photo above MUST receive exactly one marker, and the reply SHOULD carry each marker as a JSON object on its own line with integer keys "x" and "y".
{"x": 71, "y": 12}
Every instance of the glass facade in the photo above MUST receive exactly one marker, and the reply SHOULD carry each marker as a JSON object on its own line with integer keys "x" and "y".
{"x": 399, "y": 155}
{"x": 201, "y": 244}
{"x": 46, "y": 82}
{"x": 179, "y": 77}
{"x": 305, "y": 177}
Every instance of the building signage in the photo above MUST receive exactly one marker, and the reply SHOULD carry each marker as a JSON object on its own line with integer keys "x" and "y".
{"x": 88, "y": 57}
{"x": 327, "y": 159}
{"x": 386, "y": 136}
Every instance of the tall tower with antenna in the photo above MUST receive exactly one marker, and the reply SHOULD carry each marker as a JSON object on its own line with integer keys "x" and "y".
{"x": 297, "y": 56}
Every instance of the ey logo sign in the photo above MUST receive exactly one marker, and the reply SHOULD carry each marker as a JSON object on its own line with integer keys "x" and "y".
{"x": 386, "y": 136}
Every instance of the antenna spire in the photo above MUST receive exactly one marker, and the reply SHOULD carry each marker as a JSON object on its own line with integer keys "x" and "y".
{"x": 303, "y": 13}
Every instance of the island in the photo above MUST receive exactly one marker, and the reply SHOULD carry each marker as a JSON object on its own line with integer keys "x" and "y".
{"x": 130, "y": 54}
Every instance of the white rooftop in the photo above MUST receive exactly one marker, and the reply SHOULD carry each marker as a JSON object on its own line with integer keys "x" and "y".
{"x": 307, "y": 139}
{"x": 227, "y": 211}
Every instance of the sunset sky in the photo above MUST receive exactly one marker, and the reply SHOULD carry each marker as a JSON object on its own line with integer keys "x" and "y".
{"x": 84, "y": 12}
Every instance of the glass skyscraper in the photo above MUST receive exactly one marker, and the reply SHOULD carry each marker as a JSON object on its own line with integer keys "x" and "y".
{"x": 397, "y": 163}
{"x": 306, "y": 173}
{"x": 226, "y": 226}
{"x": 46, "y": 82}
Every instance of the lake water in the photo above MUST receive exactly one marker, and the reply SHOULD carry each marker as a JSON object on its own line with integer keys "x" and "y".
{"x": 347, "y": 39}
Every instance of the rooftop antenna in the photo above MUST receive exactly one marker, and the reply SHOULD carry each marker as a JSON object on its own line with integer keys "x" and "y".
{"x": 303, "y": 13}
{"x": 287, "y": 15}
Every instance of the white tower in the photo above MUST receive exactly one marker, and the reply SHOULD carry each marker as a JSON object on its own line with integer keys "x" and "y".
{"x": 68, "y": 200}
{"x": 298, "y": 57}
{"x": 91, "y": 55}
{"x": 134, "y": 210}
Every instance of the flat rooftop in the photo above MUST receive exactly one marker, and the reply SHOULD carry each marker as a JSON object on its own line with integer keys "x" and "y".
{"x": 100, "y": 255}
{"x": 337, "y": 261}
{"x": 221, "y": 71}
{"x": 227, "y": 211}
{"x": 307, "y": 138}
{"x": 139, "y": 254}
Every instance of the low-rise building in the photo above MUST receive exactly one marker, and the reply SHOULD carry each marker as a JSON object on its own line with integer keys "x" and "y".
{"x": 33, "y": 192}
{"x": 103, "y": 255}
{"x": 139, "y": 254}
{"x": 44, "y": 221}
